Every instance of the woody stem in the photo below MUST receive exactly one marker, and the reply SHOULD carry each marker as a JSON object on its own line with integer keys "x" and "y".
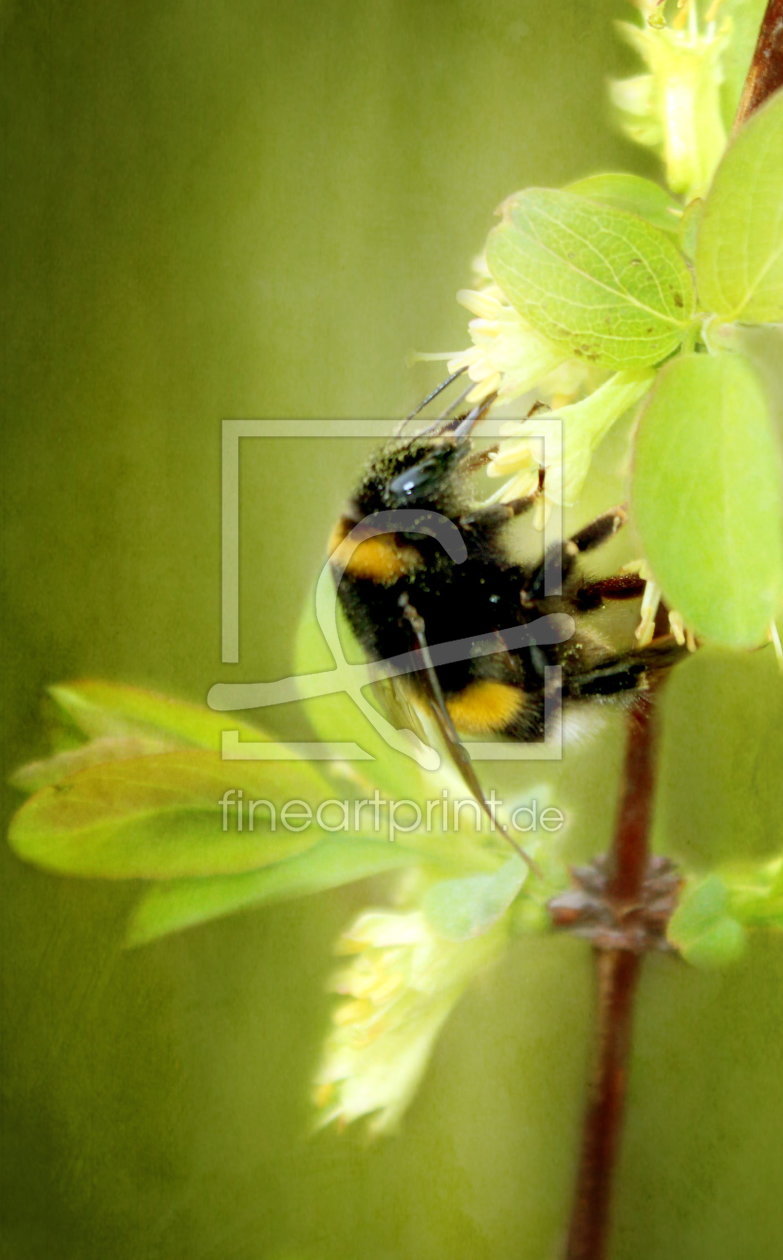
{"x": 618, "y": 976}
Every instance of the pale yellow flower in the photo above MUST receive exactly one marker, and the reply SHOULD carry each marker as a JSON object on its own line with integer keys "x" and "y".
{"x": 582, "y": 426}
{"x": 399, "y": 988}
{"x": 508, "y": 356}
{"x": 651, "y": 602}
{"x": 675, "y": 108}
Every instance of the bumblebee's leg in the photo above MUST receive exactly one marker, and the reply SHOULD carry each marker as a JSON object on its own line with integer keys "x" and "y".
{"x": 608, "y": 679}
{"x": 627, "y": 672}
{"x": 621, "y": 586}
{"x": 598, "y": 531}
{"x": 446, "y": 726}
{"x": 495, "y": 514}
{"x": 479, "y": 460}
{"x": 560, "y": 559}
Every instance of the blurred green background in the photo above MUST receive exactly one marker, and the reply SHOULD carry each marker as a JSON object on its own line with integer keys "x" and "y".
{"x": 239, "y": 209}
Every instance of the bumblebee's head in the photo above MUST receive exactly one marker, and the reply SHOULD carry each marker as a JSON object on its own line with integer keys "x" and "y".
{"x": 419, "y": 478}
{"x": 423, "y": 473}
{"x": 405, "y": 486}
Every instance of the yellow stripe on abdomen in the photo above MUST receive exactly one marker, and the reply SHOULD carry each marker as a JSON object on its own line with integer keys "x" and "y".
{"x": 485, "y": 706}
{"x": 378, "y": 558}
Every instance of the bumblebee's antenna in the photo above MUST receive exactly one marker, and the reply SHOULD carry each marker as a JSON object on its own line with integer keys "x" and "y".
{"x": 461, "y": 427}
{"x": 442, "y": 424}
{"x": 428, "y": 399}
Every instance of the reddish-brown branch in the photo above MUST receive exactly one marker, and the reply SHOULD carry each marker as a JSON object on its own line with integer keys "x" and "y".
{"x": 630, "y": 850}
{"x": 618, "y": 975}
{"x": 765, "y": 75}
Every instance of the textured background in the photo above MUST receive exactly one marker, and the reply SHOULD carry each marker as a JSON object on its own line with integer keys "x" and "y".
{"x": 245, "y": 209}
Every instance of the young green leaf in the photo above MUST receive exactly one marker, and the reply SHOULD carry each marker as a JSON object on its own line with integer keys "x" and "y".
{"x": 39, "y": 774}
{"x": 706, "y": 497}
{"x": 105, "y": 709}
{"x": 718, "y": 801}
{"x": 745, "y": 17}
{"x": 756, "y": 893}
{"x": 739, "y": 251}
{"x": 181, "y": 903}
{"x": 689, "y": 227}
{"x": 171, "y": 815}
{"x": 702, "y": 928}
{"x": 631, "y": 193}
{"x": 605, "y": 284}
{"x": 461, "y": 908}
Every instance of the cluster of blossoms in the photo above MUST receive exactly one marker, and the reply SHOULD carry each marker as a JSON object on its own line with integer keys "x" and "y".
{"x": 400, "y": 986}
{"x": 674, "y": 108}
{"x": 508, "y": 356}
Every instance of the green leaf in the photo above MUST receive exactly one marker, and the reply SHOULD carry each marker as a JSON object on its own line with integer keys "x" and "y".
{"x": 745, "y": 17}
{"x": 702, "y": 928}
{"x": 461, "y": 908}
{"x": 605, "y": 284}
{"x": 38, "y": 774}
{"x": 721, "y": 753}
{"x": 631, "y": 193}
{"x": 739, "y": 251}
{"x": 123, "y": 722}
{"x": 706, "y": 497}
{"x": 756, "y": 893}
{"x": 689, "y": 226}
{"x": 177, "y": 904}
{"x": 162, "y": 817}
{"x": 100, "y": 708}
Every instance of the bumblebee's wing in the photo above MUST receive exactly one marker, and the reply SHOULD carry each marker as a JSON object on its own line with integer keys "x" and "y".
{"x": 399, "y": 706}
{"x": 431, "y": 687}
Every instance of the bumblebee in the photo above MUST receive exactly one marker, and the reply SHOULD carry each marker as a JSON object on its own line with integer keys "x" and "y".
{"x": 427, "y": 574}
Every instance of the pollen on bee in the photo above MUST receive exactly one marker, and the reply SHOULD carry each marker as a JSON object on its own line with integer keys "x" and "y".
{"x": 378, "y": 558}
{"x": 485, "y": 706}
